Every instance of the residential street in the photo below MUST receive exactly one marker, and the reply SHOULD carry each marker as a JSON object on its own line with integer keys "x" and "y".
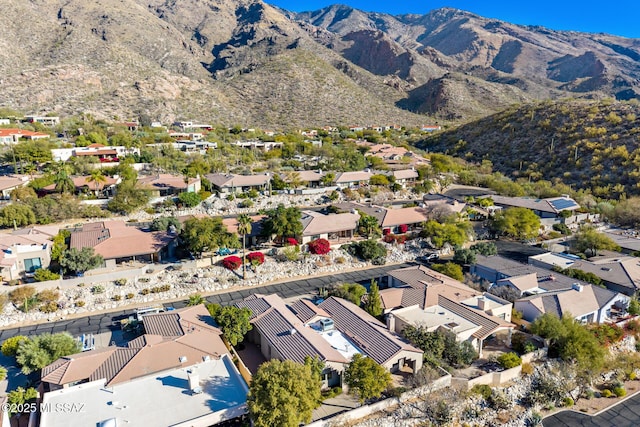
{"x": 624, "y": 414}
{"x": 101, "y": 323}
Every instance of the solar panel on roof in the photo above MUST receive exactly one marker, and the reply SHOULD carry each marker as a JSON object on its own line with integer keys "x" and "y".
{"x": 560, "y": 204}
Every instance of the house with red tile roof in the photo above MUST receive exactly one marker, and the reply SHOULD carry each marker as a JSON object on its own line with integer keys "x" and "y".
{"x": 118, "y": 242}
{"x": 13, "y": 136}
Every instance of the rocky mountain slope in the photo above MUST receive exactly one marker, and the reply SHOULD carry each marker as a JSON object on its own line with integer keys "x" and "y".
{"x": 449, "y": 58}
{"x": 586, "y": 144}
{"x": 245, "y": 62}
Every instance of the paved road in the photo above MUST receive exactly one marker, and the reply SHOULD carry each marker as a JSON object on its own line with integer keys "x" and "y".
{"x": 625, "y": 414}
{"x": 101, "y": 323}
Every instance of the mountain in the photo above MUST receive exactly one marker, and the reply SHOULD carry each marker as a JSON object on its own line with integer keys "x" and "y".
{"x": 585, "y": 144}
{"x": 233, "y": 62}
{"x": 460, "y": 64}
{"x": 245, "y": 62}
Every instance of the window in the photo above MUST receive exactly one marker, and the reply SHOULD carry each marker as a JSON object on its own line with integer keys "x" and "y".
{"x": 32, "y": 264}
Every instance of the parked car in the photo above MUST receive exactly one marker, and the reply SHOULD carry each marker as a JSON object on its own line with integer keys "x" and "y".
{"x": 427, "y": 259}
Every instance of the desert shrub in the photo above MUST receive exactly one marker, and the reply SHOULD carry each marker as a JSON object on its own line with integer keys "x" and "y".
{"x": 48, "y": 295}
{"x": 97, "y": 289}
{"x": 509, "y": 360}
{"x": 43, "y": 275}
{"x": 527, "y": 369}
{"x": 129, "y": 295}
{"x": 499, "y": 400}
{"x": 606, "y": 393}
{"x": 116, "y": 297}
{"x": 144, "y": 280}
{"x": 80, "y": 303}
{"x": 619, "y": 391}
{"x": 607, "y": 334}
{"x": 232, "y": 262}
{"x": 319, "y": 246}
{"x": 10, "y": 345}
{"x": 121, "y": 282}
{"x": 145, "y": 291}
{"x": 568, "y": 402}
{"x": 256, "y": 258}
{"x": 483, "y": 390}
{"x": 161, "y": 288}
{"x": 3, "y": 373}
{"x": 49, "y": 307}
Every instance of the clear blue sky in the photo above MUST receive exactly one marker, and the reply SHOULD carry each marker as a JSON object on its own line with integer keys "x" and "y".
{"x": 614, "y": 17}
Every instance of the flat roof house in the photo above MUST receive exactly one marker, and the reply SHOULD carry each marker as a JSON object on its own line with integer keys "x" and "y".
{"x": 544, "y": 208}
{"x": 179, "y": 373}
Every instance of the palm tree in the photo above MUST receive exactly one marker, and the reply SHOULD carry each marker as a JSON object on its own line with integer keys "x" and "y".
{"x": 97, "y": 178}
{"x": 244, "y": 228}
{"x": 195, "y": 299}
{"x": 63, "y": 182}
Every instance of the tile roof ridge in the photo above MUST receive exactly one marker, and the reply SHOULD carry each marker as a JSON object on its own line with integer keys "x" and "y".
{"x": 138, "y": 350}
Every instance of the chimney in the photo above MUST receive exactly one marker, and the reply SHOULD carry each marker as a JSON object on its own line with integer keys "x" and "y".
{"x": 391, "y": 322}
{"x": 577, "y": 287}
{"x": 482, "y": 303}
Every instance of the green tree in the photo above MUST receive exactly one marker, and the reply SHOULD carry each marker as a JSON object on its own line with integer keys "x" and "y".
{"x": 366, "y": 379}
{"x": 379, "y": 180}
{"x": 207, "y": 234}
{"x": 128, "y": 198}
{"x": 571, "y": 341}
{"x": 164, "y": 223}
{"x": 277, "y": 183}
{"x": 189, "y": 199}
{"x": 464, "y": 256}
{"x": 519, "y": 223}
{"x": 234, "y": 323}
{"x": 283, "y": 394}
{"x": 450, "y": 269}
{"x": 283, "y": 222}
{"x": 485, "y": 248}
{"x": 588, "y": 239}
{"x": 244, "y": 228}
{"x": 352, "y": 292}
{"x": 373, "y": 305}
{"x": 327, "y": 179}
{"x": 44, "y": 274}
{"x": 41, "y": 350}
{"x": 59, "y": 244}
{"x": 368, "y": 226}
{"x": 17, "y": 215}
{"x": 79, "y": 261}
{"x": 455, "y": 234}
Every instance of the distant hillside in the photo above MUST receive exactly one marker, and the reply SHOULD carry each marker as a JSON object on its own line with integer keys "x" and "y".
{"x": 587, "y": 144}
